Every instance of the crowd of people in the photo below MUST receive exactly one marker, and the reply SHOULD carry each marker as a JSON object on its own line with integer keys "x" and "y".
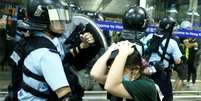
{"x": 137, "y": 67}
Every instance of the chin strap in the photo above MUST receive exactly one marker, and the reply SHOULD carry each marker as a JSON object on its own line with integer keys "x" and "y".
{"x": 54, "y": 34}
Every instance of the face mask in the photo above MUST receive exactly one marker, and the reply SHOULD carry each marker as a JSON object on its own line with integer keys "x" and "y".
{"x": 125, "y": 77}
{"x": 54, "y": 34}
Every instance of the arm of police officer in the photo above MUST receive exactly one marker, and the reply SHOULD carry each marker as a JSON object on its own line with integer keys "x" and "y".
{"x": 86, "y": 39}
{"x": 53, "y": 72}
{"x": 99, "y": 69}
{"x": 114, "y": 80}
{"x": 176, "y": 53}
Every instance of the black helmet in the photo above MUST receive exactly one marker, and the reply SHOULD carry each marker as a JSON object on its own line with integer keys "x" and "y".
{"x": 21, "y": 14}
{"x": 135, "y": 18}
{"x": 41, "y": 12}
{"x": 166, "y": 24}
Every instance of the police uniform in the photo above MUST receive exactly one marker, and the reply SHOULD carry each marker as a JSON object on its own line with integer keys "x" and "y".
{"x": 172, "y": 49}
{"x": 46, "y": 63}
{"x": 163, "y": 79}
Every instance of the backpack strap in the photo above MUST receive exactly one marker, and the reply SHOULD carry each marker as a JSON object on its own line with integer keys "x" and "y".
{"x": 33, "y": 91}
{"x": 164, "y": 49}
{"x": 170, "y": 55}
{"x": 142, "y": 45}
{"x": 28, "y": 73}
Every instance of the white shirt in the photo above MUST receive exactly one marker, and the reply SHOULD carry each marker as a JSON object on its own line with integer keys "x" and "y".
{"x": 47, "y": 64}
{"x": 172, "y": 48}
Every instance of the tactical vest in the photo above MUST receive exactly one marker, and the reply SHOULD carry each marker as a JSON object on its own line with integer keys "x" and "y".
{"x": 23, "y": 49}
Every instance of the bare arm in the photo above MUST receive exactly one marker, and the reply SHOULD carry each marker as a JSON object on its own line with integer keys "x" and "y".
{"x": 98, "y": 72}
{"x": 113, "y": 82}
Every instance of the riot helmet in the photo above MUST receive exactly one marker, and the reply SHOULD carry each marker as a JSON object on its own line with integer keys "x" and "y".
{"x": 166, "y": 25}
{"x": 44, "y": 13}
{"x": 135, "y": 18}
{"x": 21, "y": 14}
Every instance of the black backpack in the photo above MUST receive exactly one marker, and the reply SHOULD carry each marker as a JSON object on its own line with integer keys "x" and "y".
{"x": 23, "y": 48}
{"x": 153, "y": 44}
{"x": 153, "y": 47}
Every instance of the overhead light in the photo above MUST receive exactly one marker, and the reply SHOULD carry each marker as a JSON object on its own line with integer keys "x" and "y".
{"x": 101, "y": 8}
{"x": 193, "y": 13}
{"x": 172, "y": 10}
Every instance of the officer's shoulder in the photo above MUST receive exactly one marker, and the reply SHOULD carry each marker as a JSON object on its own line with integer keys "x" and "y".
{"x": 45, "y": 51}
{"x": 173, "y": 40}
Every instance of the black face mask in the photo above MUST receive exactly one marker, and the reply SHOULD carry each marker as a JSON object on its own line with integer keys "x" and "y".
{"x": 54, "y": 34}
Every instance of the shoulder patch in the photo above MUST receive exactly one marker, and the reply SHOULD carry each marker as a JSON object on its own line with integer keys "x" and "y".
{"x": 15, "y": 57}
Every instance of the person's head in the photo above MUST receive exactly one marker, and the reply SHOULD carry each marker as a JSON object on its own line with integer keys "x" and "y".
{"x": 135, "y": 19}
{"x": 21, "y": 14}
{"x": 23, "y": 27}
{"x": 135, "y": 22}
{"x": 47, "y": 15}
{"x": 186, "y": 25}
{"x": 166, "y": 25}
{"x": 134, "y": 62}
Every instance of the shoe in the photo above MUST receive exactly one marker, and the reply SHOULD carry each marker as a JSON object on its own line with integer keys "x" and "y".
{"x": 189, "y": 84}
{"x": 193, "y": 84}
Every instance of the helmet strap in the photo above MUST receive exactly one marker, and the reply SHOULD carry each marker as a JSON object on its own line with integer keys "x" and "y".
{"x": 54, "y": 34}
{"x": 145, "y": 23}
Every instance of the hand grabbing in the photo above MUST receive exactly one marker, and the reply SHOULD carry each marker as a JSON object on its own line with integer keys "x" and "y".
{"x": 86, "y": 39}
{"x": 125, "y": 47}
{"x": 113, "y": 47}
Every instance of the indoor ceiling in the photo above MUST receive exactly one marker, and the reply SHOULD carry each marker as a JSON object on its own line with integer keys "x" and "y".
{"x": 116, "y": 7}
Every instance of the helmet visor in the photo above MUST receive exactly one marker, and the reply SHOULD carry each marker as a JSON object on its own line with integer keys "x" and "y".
{"x": 59, "y": 14}
{"x": 58, "y": 17}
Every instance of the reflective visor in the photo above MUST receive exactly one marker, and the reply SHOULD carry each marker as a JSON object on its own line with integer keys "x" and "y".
{"x": 58, "y": 17}
{"x": 58, "y": 14}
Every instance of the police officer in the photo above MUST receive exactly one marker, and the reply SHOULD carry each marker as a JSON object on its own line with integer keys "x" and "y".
{"x": 135, "y": 22}
{"x": 163, "y": 74}
{"x": 78, "y": 47}
{"x": 37, "y": 55}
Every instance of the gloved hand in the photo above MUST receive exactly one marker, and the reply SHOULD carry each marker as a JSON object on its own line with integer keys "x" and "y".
{"x": 86, "y": 39}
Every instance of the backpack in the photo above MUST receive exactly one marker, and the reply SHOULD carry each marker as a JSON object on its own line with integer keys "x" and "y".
{"x": 153, "y": 47}
{"x": 153, "y": 44}
{"x": 23, "y": 48}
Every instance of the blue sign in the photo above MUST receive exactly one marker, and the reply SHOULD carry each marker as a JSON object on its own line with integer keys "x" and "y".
{"x": 114, "y": 26}
{"x": 107, "y": 25}
{"x": 188, "y": 33}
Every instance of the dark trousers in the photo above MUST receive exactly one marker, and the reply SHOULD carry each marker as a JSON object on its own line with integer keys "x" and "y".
{"x": 192, "y": 72}
{"x": 163, "y": 80}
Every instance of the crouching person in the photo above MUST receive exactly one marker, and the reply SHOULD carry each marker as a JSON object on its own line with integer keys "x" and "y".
{"x": 124, "y": 78}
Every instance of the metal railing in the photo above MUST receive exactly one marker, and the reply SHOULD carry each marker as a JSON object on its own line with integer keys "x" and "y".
{"x": 101, "y": 95}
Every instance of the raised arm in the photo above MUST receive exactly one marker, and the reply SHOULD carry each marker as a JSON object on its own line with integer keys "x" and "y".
{"x": 99, "y": 70}
{"x": 113, "y": 82}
